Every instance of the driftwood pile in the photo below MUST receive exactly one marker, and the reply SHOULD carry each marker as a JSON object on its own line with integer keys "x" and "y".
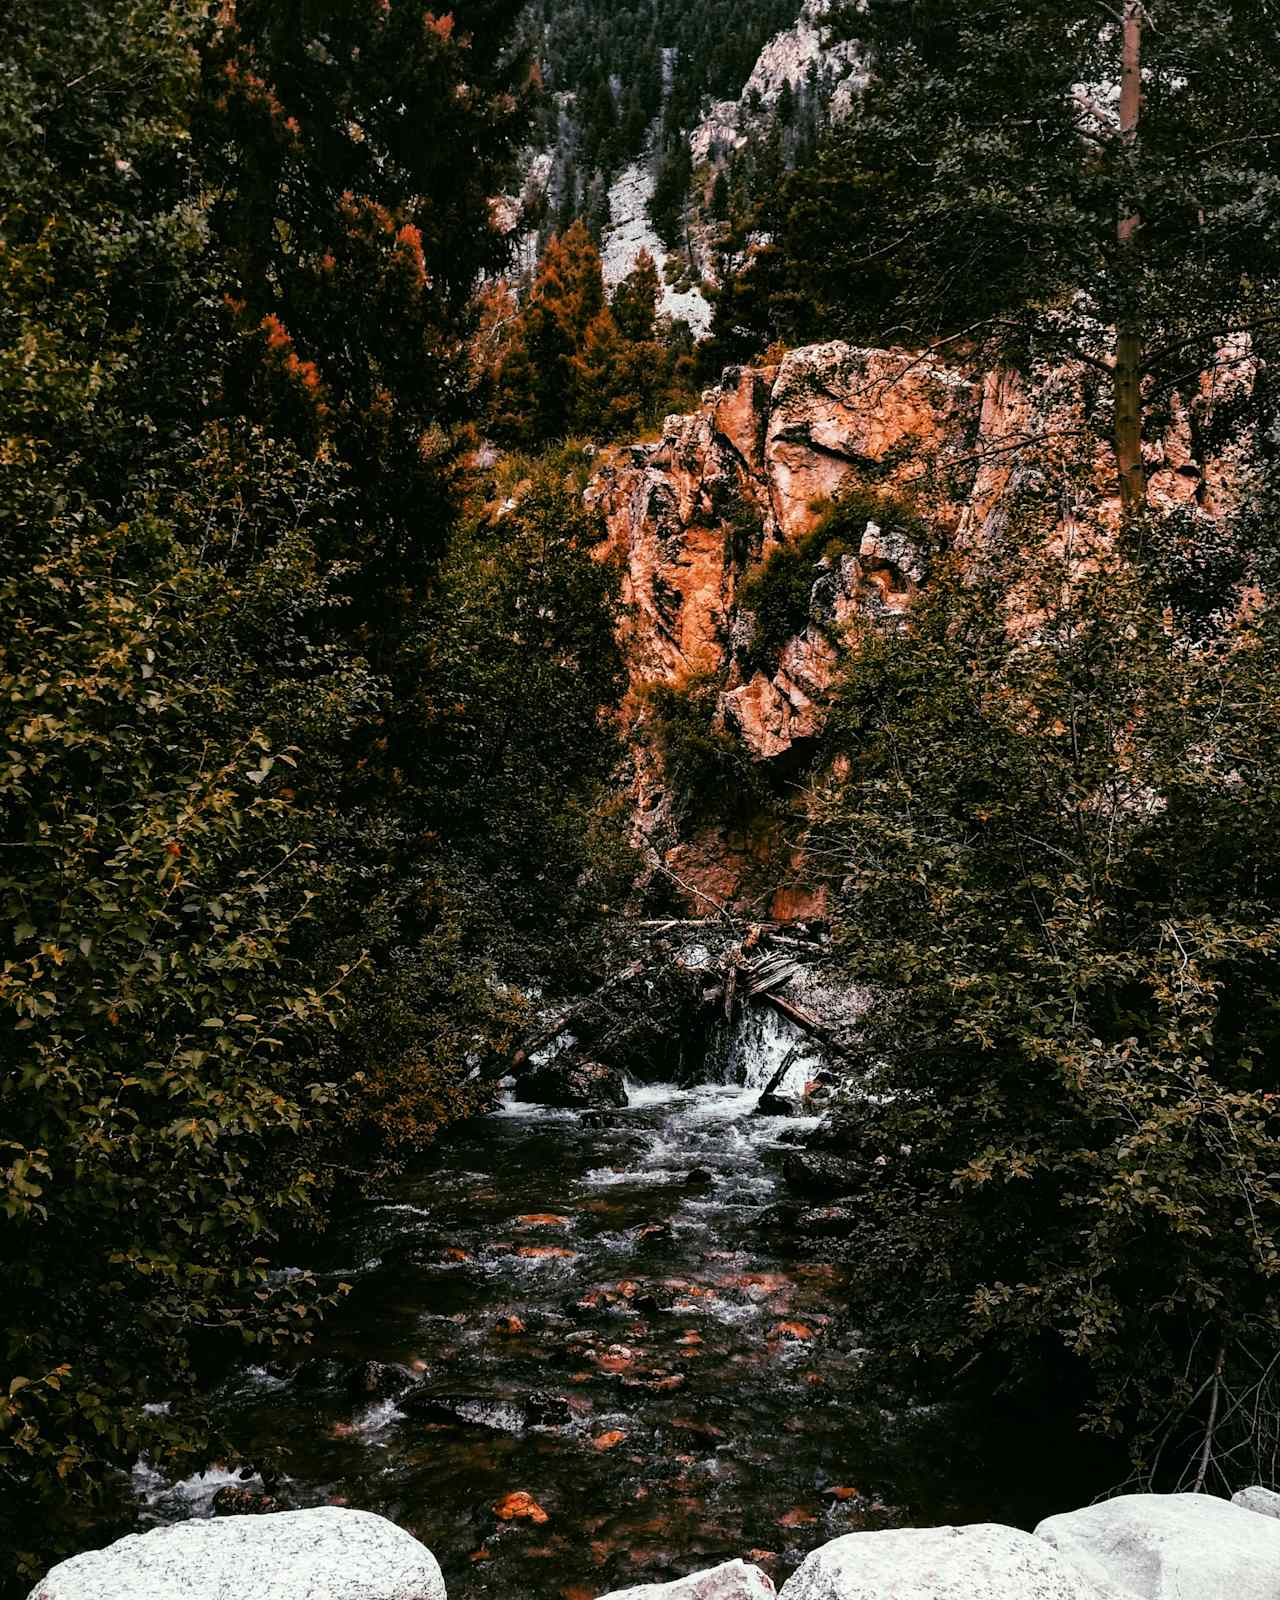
{"x": 745, "y": 965}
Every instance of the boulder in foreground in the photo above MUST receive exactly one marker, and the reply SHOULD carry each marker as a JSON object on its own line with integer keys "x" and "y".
{"x": 734, "y": 1580}
{"x": 983, "y": 1561}
{"x": 292, "y": 1555}
{"x": 1172, "y": 1547}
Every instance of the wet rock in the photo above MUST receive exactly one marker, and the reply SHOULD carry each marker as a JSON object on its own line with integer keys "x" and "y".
{"x": 294, "y": 1555}
{"x": 377, "y": 1380}
{"x": 519, "y": 1506}
{"x": 826, "y": 1222}
{"x": 734, "y": 1580}
{"x": 778, "y": 1105}
{"x": 315, "y": 1374}
{"x": 654, "y": 1233}
{"x": 1171, "y": 1547}
{"x": 572, "y": 1084}
{"x": 797, "y": 1332}
{"x": 545, "y": 1410}
{"x": 536, "y": 1410}
{"x": 699, "y": 1178}
{"x": 510, "y": 1325}
{"x": 819, "y": 1177}
{"x": 235, "y": 1500}
{"x": 982, "y": 1560}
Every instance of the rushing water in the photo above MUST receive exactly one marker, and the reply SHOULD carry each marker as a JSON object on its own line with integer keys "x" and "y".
{"x": 599, "y": 1314}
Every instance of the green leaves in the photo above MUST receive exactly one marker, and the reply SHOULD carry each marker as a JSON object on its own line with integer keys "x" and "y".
{"x": 1057, "y": 865}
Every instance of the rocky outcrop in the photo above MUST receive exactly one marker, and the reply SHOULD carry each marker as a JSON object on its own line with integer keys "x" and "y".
{"x": 292, "y": 1555}
{"x": 1171, "y": 1547}
{"x": 694, "y": 517}
{"x": 789, "y": 57}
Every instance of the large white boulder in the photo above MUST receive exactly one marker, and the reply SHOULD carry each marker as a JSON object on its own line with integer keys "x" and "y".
{"x": 1266, "y": 1502}
{"x": 733, "y": 1580}
{"x": 982, "y": 1561}
{"x": 1172, "y": 1547}
{"x": 327, "y": 1554}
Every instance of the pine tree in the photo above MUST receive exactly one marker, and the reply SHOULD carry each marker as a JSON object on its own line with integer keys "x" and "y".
{"x": 989, "y": 182}
{"x": 635, "y": 300}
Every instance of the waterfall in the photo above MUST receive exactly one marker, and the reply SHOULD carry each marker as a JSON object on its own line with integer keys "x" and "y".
{"x": 758, "y": 1043}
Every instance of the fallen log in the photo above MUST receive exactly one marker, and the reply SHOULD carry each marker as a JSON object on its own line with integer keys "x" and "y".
{"x": 805, "y": 1021}
{"x": 730, "y": 991}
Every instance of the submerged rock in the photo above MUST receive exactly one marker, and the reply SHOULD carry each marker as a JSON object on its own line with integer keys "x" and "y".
{"x": 536, "y": 1410}
{"x": 377, "y": 1380}
{"x": 572, "y": 1084}
{"x": 984, "y": 1561}
{"x": 734, "y": 1580}
{"x": 293, "y": 1555}
{"x": 1171, "y": 1547}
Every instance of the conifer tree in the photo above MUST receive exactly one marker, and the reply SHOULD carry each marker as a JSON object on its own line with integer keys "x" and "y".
{"x": 1052, "y": 183}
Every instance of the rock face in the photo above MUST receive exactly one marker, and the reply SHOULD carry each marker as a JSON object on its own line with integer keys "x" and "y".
{"x": 694, "y": 517}
{"x": 572, "y": 1084}
{"x": 734, "y": 1580}
{"x": 983, "y": 1561}
{"x": 1171, "y": 1547}
{"x": 789, "y": 57}
{"x": 292, "y": 1555}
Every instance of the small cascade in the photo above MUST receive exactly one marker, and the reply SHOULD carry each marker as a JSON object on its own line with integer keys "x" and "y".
{"x": 759, "y": 1044}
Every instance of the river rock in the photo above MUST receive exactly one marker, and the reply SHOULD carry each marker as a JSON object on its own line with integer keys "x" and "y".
{"x": 983, "y": 1561}
{"x": 1266, "y": 1502}
{"x": 734, "y": 1580}
{"x": 1172, "y": 1547}
{"x": 377, "y": 1380}
{"x": 235, "y": 1500}
{"x": 571, "y": 1084}
{"x": 292, "y": 1555}
{"x": 818, "y": 1176}
{"x": 778, "y": 1105}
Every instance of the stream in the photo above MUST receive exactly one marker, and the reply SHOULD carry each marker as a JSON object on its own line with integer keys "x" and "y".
{"x": 614, "y": 1347}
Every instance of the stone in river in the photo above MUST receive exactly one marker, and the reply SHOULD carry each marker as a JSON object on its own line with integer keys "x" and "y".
{"x": 377, "y": 1380}
{"x": 571, "y": 1084}
{"x": 818, "y": 1176}
{"x": 292, "y": 1555}
{"x": 519, "y": 1507}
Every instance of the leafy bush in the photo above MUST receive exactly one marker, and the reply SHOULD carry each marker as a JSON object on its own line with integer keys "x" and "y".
{"x": 709, "y": 772}
{"x": 1057, "y": 863}
{"x": 779, "y": 594}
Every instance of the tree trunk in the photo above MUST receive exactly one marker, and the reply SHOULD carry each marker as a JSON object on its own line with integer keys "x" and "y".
{"x": 1128, "y": 364}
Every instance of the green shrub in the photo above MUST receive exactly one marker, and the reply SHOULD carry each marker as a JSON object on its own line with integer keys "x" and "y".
{"x": 1057, "y": 864}
{"x": 779, "y": 594}
{"x": 710, "y": 773}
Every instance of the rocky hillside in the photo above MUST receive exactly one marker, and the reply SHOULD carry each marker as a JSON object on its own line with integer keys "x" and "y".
{"x": 797, "y": 499}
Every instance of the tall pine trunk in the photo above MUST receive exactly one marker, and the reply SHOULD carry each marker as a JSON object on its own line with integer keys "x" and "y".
{"x": 1128, "y": 361}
